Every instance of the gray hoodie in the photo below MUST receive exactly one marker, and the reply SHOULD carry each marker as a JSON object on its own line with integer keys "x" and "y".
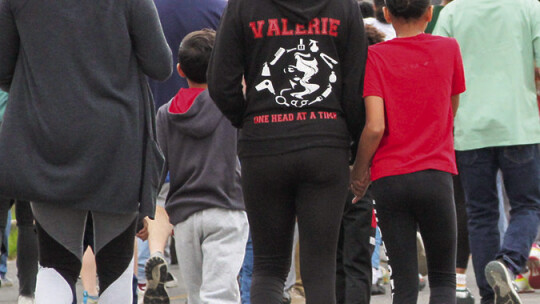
{"x": 200, "y": 152}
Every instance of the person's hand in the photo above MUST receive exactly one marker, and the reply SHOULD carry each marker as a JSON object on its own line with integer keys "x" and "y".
{"x": 360, "y": 181}
{"x": 143, "y": 233}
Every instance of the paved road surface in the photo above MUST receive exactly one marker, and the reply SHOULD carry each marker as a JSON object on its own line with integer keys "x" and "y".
{"x": 8, "y": 295}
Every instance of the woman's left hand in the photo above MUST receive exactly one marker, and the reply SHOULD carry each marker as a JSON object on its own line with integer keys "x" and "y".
{"x": 360, "y": 181}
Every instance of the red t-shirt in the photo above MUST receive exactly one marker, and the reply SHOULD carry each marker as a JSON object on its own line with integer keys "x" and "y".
{"x": 416, "y": 76}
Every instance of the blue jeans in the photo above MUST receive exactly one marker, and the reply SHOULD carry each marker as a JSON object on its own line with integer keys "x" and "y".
{"x": 246, "y": 273}
{"x": 520, "y": 166}
{"x": 5, "y": 241}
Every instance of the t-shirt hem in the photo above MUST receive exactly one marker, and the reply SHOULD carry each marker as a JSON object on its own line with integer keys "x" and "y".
{"x": 478, "y": 145}
{"x": 386, "y": 173}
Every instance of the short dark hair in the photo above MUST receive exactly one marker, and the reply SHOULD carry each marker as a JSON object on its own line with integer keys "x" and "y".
{"x": 194, "y": 54}
{"x": 379, "y": 13}
{"x": 407, "y": 9}
{"x": 367, "y": 9}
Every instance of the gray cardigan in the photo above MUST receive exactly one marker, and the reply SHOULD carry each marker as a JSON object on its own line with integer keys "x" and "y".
{"x": 73, "y": 131}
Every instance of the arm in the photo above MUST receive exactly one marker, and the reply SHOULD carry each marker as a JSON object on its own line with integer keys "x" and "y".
{"x": 455, "y": 104}
{"x": 226, "y": 67}
{"x": 151, "y": 48}
{"x": 369, "y": 142}
{"x": 353, "y": 66}
{"x": 161, "y": 134}
{"x": 9, "y": 41}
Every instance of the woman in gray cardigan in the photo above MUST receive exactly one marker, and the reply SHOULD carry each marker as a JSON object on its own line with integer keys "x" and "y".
{"x": 77, "y": 136}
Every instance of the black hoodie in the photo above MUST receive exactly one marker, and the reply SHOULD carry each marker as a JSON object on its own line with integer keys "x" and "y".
{"x": 303, "y": 62}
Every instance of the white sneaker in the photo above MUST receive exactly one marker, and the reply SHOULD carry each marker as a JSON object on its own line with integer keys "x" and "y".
{"x": 140, "y": 293}
{"x": 25, "y": 300}
{"x": 500, "y": 279}
{"x": 5, "y": 281}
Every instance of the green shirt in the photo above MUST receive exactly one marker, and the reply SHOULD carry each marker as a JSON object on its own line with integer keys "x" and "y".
{"x": 3, "y": 103}
{"x": 500, "y": 41}
{"x": 431, "y": 25}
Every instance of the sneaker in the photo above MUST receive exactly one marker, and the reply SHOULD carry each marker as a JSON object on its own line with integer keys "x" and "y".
{"x": 377, "y": 289}
{"x": 533, "y": 264}
{"x": 156, "y": 275}
{"x": 500, "y": 279}
{"x": 464, "y": 296}
{"x": 522, "y": 283}
{"x": 297, "y": 293}
{"x": 141, "y": 287}
{"x": 25, "y": 300}
{"x": 88, "y": 299}
{"x": 171, "y": 281}
{"x": 286, "y": 297}
{"x": 5, "y": 281}
{"x": 421, "y": 282}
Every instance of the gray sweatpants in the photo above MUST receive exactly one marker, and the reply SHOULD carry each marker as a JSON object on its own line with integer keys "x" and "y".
{"x": 210, "y": 246}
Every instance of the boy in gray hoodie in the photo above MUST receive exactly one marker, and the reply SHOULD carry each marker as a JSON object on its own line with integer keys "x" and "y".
{"x": 205, "y": 202}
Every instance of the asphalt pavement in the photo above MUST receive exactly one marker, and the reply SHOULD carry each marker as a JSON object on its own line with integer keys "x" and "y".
{"x": 8, "y": 295}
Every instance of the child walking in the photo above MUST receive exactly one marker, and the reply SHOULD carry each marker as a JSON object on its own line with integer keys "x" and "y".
{"x": 411, "y": 90}
{"x": 205, "y": 202}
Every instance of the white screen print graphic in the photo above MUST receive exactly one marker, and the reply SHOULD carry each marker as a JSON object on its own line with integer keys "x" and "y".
{"x": 309, "y": 75}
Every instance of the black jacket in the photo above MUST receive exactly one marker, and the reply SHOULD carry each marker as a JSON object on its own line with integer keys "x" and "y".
{"x": 303, "y": 62}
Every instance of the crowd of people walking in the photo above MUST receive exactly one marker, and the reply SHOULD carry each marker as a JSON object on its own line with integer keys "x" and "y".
{"x": 260, "y": 131}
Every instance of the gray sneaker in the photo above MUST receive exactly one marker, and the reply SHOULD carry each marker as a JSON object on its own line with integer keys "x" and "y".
{"x": 156, "y": 276}
{"x": 501, "y": 280}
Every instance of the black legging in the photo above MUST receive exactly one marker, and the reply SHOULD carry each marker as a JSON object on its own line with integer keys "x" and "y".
{"x": 421, "y": 199}
{"x": 310, "y": 185}
{"x": 353, "y": 271}
{"x": 463, "y": 250}
{"x": 27, "y": 249}
{"x": 27, "y": 257}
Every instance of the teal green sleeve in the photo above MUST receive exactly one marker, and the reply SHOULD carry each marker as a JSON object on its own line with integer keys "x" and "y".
{"x": 444, "y": 25}
{"x": 535, "y": 26}
{"x": 431, "y": 25}
{"x": 3, "y": 103}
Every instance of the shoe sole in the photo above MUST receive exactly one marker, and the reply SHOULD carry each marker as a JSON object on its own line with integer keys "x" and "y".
{"x": 156, "y": 274}
{"x": 501, "y": 283}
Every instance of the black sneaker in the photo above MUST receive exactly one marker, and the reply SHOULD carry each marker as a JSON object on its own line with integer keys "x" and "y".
{"x": 156, "y": 276}
{"x": 464, "y": 296}
{"x": 377, "y": 289}
{"x": 500, "y": 279}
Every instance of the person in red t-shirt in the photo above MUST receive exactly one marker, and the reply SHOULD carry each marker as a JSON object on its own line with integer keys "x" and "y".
{"x": 412, "y": 86}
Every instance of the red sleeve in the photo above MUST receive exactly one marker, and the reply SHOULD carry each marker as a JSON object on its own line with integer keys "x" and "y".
{"x": 458, "y": 80}
{"x": 372, "y": 80}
